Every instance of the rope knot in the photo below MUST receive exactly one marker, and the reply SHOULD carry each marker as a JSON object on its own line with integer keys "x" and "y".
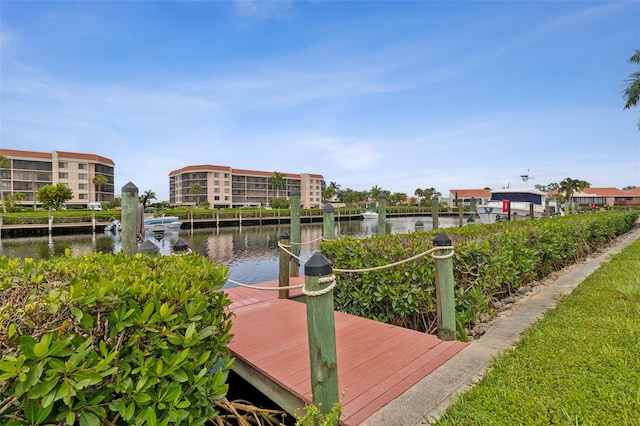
{"x": 324, "y": 280}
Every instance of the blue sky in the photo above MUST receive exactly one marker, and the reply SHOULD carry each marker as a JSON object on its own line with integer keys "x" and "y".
{"x": 398, "y": 94}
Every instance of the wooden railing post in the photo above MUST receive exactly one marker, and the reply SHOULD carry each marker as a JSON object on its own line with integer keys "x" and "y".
{"x": 382, "y": 215}
{"x": 130, "y": 219}
{"x": 435, "y": 209}
{"x": 322, "y": 333}
{"x": 328, "y": 222}
{"x": 283, "y": 271}
{"x": 473, "y": 209}
{"x": 295, "y": 231}
{"x": 445, "y": 301}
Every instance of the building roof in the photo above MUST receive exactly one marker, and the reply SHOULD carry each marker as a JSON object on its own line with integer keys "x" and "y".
{"x": 82, "y": 156}
{"x": 633, "y": 192}
{"x": 61, "y": 154}
{"x": 470, "y": 193}
{"x": 25, "y": 154}
{"x": 200, "y": 167}
{"x": 604, "y": 192}
{"x": 211, "y": 167}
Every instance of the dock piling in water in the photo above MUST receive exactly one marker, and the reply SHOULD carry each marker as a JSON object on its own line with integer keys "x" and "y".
{"x": 295, "y": 231}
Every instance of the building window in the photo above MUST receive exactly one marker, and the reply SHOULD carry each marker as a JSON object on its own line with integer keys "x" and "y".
{"x": 216, "y": 174}
{"x": 226, "y": 183}
{"x": 82, "y": 166}
{"x": 63, "y": 175}
{"x": 226, "y": 198}
{"x": 226, "y": 175}
{"x": 82, "y": 176}
{"x": 216, "y": 182}
{"x": 82, "y": 196}
{"x": 216, "y": 190}
{"x": 217, "y": 198}
{"x": 226, "y": 191}
{"x": 63, "y": 165}
{"x": 82, "y": 186}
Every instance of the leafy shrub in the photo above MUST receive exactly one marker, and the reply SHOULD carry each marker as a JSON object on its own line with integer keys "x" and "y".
{"x": 491, "y": 262}
{"x": 112, "y": 339}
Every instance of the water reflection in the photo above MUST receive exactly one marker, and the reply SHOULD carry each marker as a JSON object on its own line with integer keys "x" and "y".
{"x": 251, "y": 253}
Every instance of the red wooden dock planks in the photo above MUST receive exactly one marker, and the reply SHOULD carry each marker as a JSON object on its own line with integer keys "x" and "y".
{"x": 377, "y": 362}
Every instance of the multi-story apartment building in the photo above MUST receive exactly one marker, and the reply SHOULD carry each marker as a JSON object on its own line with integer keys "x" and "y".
{"x": 29, "y": 171}
{"x": 223, "y": 186}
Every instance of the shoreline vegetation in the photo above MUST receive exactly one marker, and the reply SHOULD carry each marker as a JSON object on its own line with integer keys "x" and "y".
{"x": 577, "y": 365}
{"x": 50, "y": 307}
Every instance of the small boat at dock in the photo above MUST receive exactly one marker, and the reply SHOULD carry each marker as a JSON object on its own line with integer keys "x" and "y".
{"x": 370, "y": 214}
{"x": 172, "y": 222}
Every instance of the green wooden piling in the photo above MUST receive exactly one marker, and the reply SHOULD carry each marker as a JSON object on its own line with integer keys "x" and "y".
{"x": 93, "y": 221}
{"x": 531, "y": 211}
{"x": 50, "y": 221}
{"x": 460, "y": 214}
{"x": 382, "y": 215}
{"x": 328, "y": 222}
{"x": 435, "y": 209}
{"x": 283, "y": 270}
{"x": 295, "y": 231}
{"x": 445, "y": 301}
{"x": 473, "y": 209}
{"x": 322, "y": 334}
{"x": 129, "y": 219}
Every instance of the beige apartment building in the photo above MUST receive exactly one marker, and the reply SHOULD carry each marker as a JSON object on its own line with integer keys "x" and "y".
{"x": 30, "y": 171}
{"x": 223, "y": 186}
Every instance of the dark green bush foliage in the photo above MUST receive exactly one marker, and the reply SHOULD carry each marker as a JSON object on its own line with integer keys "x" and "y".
{"x": 491, "y": 262}
{"x": 112, "y": 339}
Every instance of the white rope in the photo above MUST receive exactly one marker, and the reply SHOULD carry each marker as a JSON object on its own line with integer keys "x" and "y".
{"x": 327, "y": 289}
{"x": 298, "y": 258}
{"x": 332, "y": 278}
{"x": 301, "y": 244}
{"x": 256, "y": 287}
{"x": 400, "y": 262}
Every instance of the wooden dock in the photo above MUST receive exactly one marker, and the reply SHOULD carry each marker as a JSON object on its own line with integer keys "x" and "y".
{"x": 377, "y": 362}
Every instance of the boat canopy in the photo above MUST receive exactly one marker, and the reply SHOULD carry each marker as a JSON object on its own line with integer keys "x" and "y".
{"x": 516, "y": 196}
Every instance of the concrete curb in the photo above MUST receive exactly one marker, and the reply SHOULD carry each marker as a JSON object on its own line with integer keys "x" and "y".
{"x": 425, "y": 401}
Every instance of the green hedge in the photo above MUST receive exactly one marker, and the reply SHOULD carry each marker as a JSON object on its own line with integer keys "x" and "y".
{"x": 112, "y": 339}
{"x": 491, "y": 262}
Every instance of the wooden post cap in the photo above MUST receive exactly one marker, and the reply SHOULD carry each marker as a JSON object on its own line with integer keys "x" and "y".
{"x": 441, "y": 240}
{"x": 130, "y": 187}
{"x": 317, "y": 266}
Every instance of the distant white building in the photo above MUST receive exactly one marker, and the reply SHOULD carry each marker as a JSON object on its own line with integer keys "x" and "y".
{"x": 31, "y": 170}
{"x": 223, "y": 186}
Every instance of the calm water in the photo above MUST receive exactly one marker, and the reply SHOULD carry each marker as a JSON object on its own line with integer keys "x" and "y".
{"x": 250, "y": 252}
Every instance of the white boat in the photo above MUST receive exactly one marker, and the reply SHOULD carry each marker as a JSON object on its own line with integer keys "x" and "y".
{"x": 370, "y": 214}
{"x": 113, "y": 227}
{"x": 519, "y": 202}
{"x": 164, "y": 221}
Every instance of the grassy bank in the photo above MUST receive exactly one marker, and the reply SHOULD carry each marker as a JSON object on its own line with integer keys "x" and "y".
{"x": 579, "y": 365}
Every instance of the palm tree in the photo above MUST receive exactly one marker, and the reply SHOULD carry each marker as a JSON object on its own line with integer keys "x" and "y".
{"x": 374, "y": 192}
{"x": 5, "y": 163}
{"x": 632, "y": 92}
{"x": 196, "y": 189}
{"x": 331, "y": 191}
{"x": 147, "y": 196}
{"x": 276, "y": 181}
{"x": 98, "y": 181}
{"x": 569, "y": 186}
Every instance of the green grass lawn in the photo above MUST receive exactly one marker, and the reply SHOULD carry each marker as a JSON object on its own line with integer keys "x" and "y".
{"x": 579, "y": 365}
